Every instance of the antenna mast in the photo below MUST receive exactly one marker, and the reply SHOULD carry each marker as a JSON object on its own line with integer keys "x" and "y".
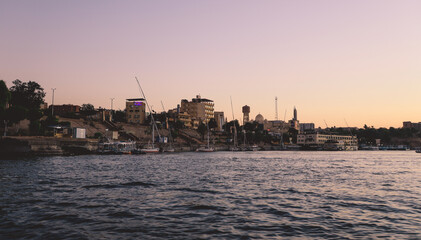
{"x": 276, "y": 108}
{"x": 350, "y": 132}
{"x": 232, "y": 109}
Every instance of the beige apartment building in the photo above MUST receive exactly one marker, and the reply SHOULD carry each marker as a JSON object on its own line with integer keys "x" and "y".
{"x": 135, "y": 110}
{"x": 199, "y": 109}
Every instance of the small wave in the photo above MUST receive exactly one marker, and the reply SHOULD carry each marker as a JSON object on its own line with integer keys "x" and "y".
{"x": 291, "y": 190}
{"x": 206, "y": 207}
{"x": 121, "y": 214}
{"x": 196, "y": 190}
{"x": 94, "y": 206}
{"x": 64, "y": 204}
{"x": 143, "y": 184}
{"x": 129, "y": 184}
{"x": 278, "y": 212}
{"x": 46, "y": 182}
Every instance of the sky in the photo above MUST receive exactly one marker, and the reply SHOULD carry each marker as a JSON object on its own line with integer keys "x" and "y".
{"x": 340, "y": 62}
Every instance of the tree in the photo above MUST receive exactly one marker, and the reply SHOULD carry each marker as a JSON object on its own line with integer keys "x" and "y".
{"x": 28, "y": 94}
{"x": 178, "y": 125}
{"x": 212, "y": 123}
{"x": 4, "y": 101}
{"x": 87, "y": 109}
{"x": 25, "y": 101}
{"x": 119, "y": 116}
{"x": 4, "y": 96}
{"x": 202, "y": 129}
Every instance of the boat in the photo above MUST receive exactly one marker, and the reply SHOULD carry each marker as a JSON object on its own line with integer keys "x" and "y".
{"x": 169, "y": 148}
{"x": 119, "y": 147}
{"x": 254, "y": 148}
{"x": 151, "y": 147}
{"x": 333, "y": 145}
{"x": 206, "y": 148}
{"x": 124, "y": 147}
{"x": 105, "y": 148}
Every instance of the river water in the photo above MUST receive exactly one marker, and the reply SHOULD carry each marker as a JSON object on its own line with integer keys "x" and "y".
{"x": 221, "y": 195}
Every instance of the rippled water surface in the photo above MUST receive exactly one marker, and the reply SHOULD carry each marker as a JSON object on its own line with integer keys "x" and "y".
{"x": 222, "y": 195}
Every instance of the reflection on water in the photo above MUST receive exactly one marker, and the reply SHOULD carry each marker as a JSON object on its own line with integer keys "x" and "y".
{"x": 264, "y": 195}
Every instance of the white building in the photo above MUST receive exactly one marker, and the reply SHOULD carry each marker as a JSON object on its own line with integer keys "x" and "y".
{"x": 328, "y": 141}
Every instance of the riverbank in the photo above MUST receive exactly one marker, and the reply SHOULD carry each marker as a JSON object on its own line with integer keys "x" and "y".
{"x": 21, "y": 146}
{"x": 45, "y": 146}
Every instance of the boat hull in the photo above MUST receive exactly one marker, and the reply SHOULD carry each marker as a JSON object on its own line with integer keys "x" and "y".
{"x": 150, "y": 150}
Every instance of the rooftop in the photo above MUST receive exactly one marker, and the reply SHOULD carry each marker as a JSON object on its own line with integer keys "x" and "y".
{"x": 135, "y": 99}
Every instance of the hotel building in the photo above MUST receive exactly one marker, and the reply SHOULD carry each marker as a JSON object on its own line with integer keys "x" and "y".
{"x": 135, "y": 110}
{"x": 200, "y": 109}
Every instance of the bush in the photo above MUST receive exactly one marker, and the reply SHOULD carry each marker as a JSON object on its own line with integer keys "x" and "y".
{"x": 97, "y": 135}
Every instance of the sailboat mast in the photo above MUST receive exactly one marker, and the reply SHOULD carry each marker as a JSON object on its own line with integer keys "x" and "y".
{"x": 169, "y": 126}
{"x": 208, "y": 134}
{"x": 149, "y": 108}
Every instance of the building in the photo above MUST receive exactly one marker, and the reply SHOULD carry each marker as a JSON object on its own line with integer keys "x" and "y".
{"x": 135, "y": 110}
{"x": 306, "y": 127}
{"x": 199, "y": 109}
{"x": 294, "y": 123}
{"x": 43, "y": 106}
{"x": 317, "y": 141}
{"x": 220, "y": 120}
{"x": 275, "y": 126}
{"x": 103, "y": 115}
{"x": 259, "y": 118}
{"x": 62, "y": 110}
{"x": 412, "y": 125}
{"x": 246, "y": 114}
{"x": 187, "y": 121}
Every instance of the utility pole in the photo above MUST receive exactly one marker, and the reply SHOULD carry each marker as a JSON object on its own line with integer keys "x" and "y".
{"x": 111, "y": 112}
{"x": 52, "y": 104}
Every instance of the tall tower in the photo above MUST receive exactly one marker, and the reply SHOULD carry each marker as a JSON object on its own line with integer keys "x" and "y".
{"x": 276, "y": 108}
{"x": 295, "y": 114}
{"x": 246, "y": 112}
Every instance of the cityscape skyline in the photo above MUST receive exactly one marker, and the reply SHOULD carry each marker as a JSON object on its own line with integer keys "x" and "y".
{"x": 333, "y": 60}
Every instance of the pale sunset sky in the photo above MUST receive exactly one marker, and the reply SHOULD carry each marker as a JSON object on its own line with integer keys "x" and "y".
{"x": 358, "y": 60}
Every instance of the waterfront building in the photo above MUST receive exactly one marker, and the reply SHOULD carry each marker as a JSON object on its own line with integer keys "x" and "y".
{"x": 306, "y": 127}
{"x": 135, "y": 110}
{"x": 259, "y": 118}
{"x": 62, "y": 110}
{"x": 317, "y": 140}
{"x": 200, "y": 109}
{"x": 275, "y": 126}
{"x": 220, "y": 120}
{"x": 294, "y": 123}
{"x": 187, "y": 121}
{"x": 246, "y": 113}
{"x": 412, "y": 125}
{"x": 103, "y": 115}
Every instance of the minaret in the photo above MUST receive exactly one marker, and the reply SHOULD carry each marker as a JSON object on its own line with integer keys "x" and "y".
{"x": 295, "y": 114}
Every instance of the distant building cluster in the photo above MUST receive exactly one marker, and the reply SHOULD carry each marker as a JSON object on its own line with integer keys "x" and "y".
{"x": 412, "y": 125}
{"x": 198, "y": 110}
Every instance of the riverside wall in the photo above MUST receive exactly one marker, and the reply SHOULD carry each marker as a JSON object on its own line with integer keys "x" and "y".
{"x": 45, "y": 146}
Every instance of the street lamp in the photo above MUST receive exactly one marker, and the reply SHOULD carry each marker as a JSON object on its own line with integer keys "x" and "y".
{"x": 52, "y": 104}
